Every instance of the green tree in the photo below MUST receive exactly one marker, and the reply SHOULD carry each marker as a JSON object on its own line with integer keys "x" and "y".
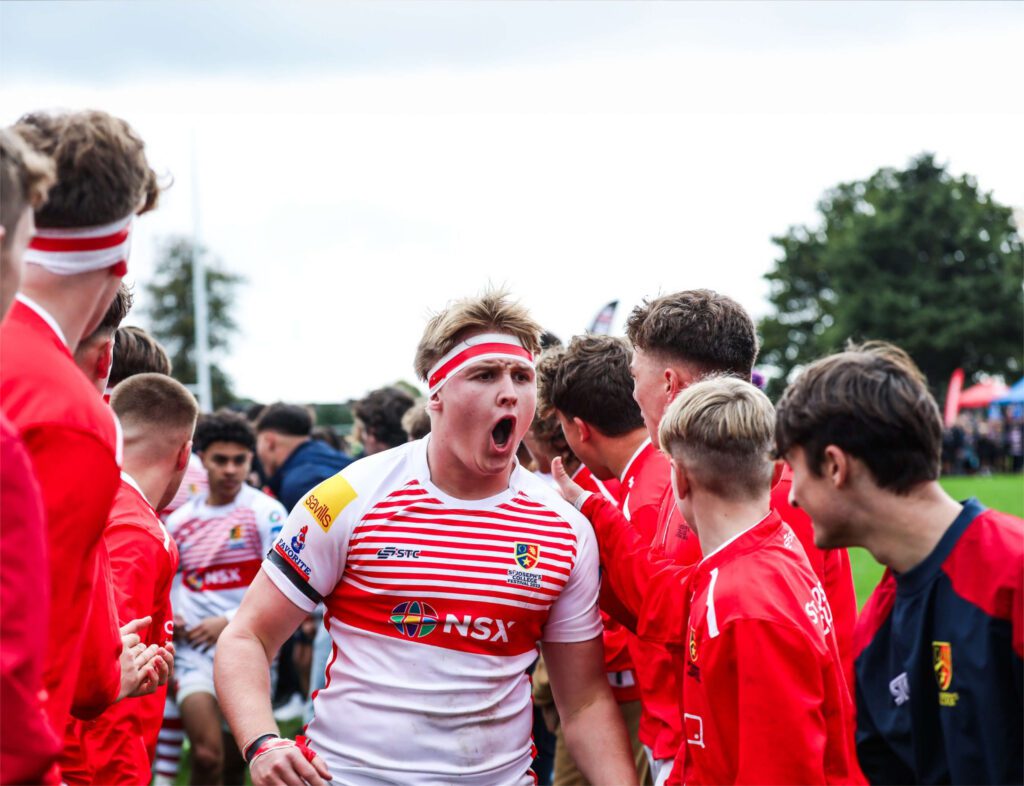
{"x": 172, "y": 316}
{"x": 917, "y": 257}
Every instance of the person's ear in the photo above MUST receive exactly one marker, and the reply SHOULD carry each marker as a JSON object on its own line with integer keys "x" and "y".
{"x": 836, "y": 466}
{"x": 105, "y": 359}
{"x": 181, "y": 460}
{"x": 674, "y": 383}
{"x": 583, "y": 428}
{"x": 434, "y": 402}
{"x": 680, "y": 479}
{"x": 777, "y": 469}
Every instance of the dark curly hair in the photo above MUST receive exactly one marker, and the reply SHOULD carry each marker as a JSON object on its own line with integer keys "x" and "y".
{"x": 223, "y": 426}
{"x": 381, "y": 413}
{"x": 697, "y": 326}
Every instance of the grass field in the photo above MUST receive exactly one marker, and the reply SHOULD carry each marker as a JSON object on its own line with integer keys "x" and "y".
{"x": 1002, "y": 492}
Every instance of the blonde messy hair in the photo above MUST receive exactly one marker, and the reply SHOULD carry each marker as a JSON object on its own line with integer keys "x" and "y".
{"x": 491, "y": 312}
{"x": 722, "y": 429}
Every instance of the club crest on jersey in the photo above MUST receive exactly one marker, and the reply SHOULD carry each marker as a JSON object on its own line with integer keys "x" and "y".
{"x": 236, "y": 537}
{"x": 942, "y": 659}
{"x": 414, "y": 619}
{"x": 693, "y": 645}
{"x": 527, "y": 555}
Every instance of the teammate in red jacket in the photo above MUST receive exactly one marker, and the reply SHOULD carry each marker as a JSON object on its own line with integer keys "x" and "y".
{"x": 74, "y": 265}
{"x": 592, "y": 393}
{"x": 158, "y": 416}
{"x": 28, "y": 745}
{"x": 764, "y": 698}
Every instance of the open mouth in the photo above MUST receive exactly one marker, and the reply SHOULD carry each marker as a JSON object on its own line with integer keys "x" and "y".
{"x": 502, "y": 432}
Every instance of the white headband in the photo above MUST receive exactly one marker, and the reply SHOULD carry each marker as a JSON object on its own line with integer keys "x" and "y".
{"x": 473, "y": 350}
{"x": 67, "y": 252}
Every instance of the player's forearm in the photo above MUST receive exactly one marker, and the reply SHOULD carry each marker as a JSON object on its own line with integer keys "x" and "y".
{"x": 242, "y": 678}
{"x": 598, "y": 742}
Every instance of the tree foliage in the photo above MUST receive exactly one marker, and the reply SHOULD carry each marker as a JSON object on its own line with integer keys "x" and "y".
{"x": 917, "y": 257}
{"x": 172, "y": 315}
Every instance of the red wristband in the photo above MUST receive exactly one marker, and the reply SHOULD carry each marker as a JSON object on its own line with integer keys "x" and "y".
{"x": 305, "y": 750}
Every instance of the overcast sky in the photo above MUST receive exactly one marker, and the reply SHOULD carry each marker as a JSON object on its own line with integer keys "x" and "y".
{"x": 362, "y": 163}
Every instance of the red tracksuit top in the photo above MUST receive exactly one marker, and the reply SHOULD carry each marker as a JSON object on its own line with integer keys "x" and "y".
{"x": 74, "y": 442}
{"x": 628, "y": 572}
{"x": 618, "y": 662}
{"x": 765, "y": 698}
{"x": 144, "y": 559}
{"x": 630, "y": 550}
{"x": 28, "y": 745}
{"x": 646, "y": 480}
{"x": 831, "y": 566}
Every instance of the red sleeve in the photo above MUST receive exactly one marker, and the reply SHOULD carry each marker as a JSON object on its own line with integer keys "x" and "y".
{"x": 644, "y": 585}
{"x": 623, "y": 551}
{"x": 28, "y": 744}
{"x": 781, "y": 732}
{"x": 99, "y": 680}
{"x": 136, "y": 563}
{"x": 645, "y": 521}
{"x": 115, "y": 746}
{"x": 842, "y": 600}
{"x": 77, "y": 504}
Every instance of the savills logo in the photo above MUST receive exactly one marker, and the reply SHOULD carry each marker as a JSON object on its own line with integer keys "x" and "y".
{"x": 320, "y": 510}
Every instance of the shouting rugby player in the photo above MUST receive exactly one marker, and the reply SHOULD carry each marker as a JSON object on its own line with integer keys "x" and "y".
{"x": 442, "y": 564}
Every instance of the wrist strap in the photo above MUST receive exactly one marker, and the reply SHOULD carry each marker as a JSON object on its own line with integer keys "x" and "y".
{"x": 249, "y": 753}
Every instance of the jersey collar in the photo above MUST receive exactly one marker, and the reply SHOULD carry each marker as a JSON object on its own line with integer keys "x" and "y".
{"x": 44, "y": 315}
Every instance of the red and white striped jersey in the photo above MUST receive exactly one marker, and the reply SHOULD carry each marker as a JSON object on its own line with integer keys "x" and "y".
{"x": 435, "y": 606}
{"x": 220, "y": 550}
{"x": 195, "y": 482}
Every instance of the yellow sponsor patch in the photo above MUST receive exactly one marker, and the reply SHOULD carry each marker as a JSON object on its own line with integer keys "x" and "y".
{"x": 328, "y": 499}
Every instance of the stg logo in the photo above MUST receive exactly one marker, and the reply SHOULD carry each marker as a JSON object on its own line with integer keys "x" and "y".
{"x": 390, "y": 552}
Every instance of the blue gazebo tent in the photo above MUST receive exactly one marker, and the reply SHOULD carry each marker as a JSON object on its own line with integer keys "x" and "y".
{"x": 1014, "y": 395}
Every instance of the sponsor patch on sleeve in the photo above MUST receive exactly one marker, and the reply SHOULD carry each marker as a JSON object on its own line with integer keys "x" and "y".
{"x": 327, "y": 500}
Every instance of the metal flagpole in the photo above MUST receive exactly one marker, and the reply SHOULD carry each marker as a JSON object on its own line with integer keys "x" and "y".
{"x": 201, "y": 314}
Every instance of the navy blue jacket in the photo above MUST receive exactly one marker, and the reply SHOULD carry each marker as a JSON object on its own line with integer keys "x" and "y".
{"x": 310, "y": 464}
{"x": 939, "y": 669}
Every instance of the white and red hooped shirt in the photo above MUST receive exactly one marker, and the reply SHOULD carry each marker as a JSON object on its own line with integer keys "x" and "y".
{"x": 221, "y": 549}
{"x": 435, "y": 606}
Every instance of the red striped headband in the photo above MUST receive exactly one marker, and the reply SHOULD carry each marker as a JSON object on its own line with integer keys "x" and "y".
{"x": 67, "y": 252}
{"x": 473, "y": 350}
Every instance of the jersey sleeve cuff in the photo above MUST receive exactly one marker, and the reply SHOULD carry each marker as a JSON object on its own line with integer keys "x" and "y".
{"x": 294, "y": 587}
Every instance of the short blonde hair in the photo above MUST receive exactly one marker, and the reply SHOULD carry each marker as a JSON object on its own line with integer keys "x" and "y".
{"x": 493, "y": 312}
{"x": 722, "y": 430}
{"x": 154, "y": 402}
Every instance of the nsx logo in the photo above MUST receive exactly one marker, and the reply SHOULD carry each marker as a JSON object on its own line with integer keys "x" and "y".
{"x": 390, "y": 552}
{"x": 481, "y": 628}
{"x": 225, "y": 578}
